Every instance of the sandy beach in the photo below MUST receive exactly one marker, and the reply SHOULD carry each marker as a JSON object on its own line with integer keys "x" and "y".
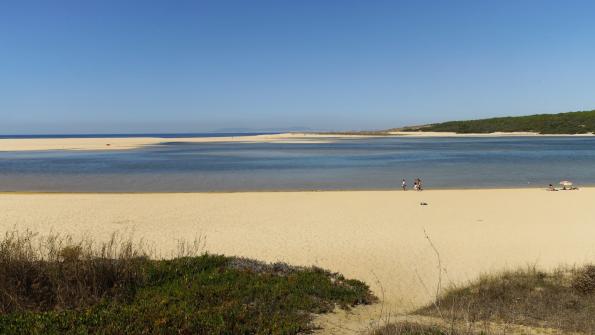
{"x": 126, "y": 143}
{"x": 376, "y": 236}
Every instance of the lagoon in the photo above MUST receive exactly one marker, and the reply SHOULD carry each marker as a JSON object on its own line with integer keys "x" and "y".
{"x": 346, "y": 164}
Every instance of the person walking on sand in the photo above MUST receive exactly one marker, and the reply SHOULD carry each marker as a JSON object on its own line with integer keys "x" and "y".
{"x": 417, "y": 184}
{"x": 404, "y": 185}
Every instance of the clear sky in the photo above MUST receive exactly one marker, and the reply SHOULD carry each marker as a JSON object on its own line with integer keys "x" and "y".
{"x": 192, "y": 66}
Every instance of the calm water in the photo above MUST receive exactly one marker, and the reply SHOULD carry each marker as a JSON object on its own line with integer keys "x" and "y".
{"x": 347, "y": 164}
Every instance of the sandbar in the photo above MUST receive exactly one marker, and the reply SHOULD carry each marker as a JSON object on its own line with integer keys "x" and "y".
{"x": 127, "y": 143}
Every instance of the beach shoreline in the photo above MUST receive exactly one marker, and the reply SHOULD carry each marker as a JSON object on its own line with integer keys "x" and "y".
{"x": 128, "y": 143}
{"x": 380, "y": 237}
{"x": 394, "y": 189}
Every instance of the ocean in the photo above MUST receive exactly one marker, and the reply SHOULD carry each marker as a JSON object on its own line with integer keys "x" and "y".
{"x": 349, "y": 164}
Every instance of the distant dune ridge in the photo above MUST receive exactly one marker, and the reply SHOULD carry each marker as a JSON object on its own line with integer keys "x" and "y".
{"x": 572, "y": 123}
{"x": 562, "y": 123}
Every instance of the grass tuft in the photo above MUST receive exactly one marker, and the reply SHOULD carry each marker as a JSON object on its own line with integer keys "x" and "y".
{"x": 563, "y": 299}
{"x": 584, "y": 280}
{"x": 411, "y": 328}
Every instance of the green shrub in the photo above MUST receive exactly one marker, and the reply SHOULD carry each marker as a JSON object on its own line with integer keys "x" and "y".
{"x": 562, "y": 123}
{"x": 75, "y": 290}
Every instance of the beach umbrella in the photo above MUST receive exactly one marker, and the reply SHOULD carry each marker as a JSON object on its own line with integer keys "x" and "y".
{"x": 566, "y": 183}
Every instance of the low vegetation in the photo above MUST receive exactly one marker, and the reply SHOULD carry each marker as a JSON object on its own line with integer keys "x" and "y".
{"x": 562, "y": 123}
{"x": 410, "y": 328}
{"x": 563, "y": 300}
{"x": 52, "y": 285}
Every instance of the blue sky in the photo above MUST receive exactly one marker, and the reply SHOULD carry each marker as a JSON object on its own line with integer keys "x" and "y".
{"x": 193, "y": 66}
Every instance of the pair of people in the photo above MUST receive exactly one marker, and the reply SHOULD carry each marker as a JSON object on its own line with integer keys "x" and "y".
{"x": 417, "y": 185}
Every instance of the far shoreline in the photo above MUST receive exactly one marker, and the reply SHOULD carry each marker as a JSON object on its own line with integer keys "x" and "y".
{"x": 128, "y": 143}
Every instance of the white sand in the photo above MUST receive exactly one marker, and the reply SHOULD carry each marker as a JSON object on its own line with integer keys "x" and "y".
{"x": 132, "y": 143}
{"x": 375, "y": 236}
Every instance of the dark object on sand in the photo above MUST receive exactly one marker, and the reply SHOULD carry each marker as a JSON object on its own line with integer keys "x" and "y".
{"x": 423, "y": 203}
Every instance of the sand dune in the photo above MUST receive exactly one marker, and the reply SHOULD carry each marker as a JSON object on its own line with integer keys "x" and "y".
{"x": 375, "y": 236}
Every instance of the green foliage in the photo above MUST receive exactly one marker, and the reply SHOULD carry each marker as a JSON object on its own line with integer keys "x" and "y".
{"x": 562, "y": 123}
{"x": 198, "y": 295}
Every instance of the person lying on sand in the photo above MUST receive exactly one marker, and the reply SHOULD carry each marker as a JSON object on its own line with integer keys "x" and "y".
{"x": 551, "y": 188}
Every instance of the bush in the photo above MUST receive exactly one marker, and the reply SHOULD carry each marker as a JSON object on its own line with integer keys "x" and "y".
{"x": 584, "y": 280}
{"x": 115, "y": 288}
{"x": 57, "y": 274}
{"x": 562, "y": 123}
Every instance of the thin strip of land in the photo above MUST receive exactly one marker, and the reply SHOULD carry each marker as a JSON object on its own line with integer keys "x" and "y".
{"x": 127, "y": 143}
{"x": 561, "y": 124}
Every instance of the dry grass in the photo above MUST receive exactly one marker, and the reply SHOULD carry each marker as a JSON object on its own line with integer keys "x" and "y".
{"x": 526, "y": 301}
{"x": 411, "y": 328}
{"x": 55, "y": 285}
{"x": 55, "y": 273}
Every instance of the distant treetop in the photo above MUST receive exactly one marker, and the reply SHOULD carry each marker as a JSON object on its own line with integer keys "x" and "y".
{"x": 563, "y": 123}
